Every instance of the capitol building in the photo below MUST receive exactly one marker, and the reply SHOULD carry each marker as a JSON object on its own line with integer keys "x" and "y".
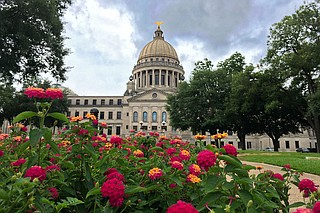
{"x": 143, "y": 105}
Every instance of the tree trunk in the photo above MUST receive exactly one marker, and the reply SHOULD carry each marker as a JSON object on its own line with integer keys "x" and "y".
{"x": 276, "y": 144}
{"x": 242, "y": 138}
{"x": 317, "y": 132}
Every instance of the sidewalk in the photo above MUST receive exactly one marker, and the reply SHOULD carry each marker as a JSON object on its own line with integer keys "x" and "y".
{"x": 295, "y": 195}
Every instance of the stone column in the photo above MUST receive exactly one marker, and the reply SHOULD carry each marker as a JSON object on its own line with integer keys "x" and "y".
{"x": 153, "y": 78}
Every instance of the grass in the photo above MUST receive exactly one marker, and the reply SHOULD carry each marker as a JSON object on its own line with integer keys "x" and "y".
{"x": 303, "y": 162}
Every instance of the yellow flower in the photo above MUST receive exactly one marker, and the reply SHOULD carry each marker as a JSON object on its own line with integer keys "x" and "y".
{"x": 199, "y": 137}
{"x": 193, "y": 178}
{"x": 91, "y": 116}
{"x": 76, "y": 118}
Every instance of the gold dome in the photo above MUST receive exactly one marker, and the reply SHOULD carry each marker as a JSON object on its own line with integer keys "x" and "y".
{"x": 158, "y": 47}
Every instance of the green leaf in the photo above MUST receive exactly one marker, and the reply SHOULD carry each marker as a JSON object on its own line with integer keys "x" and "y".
{"x": 295, "y": 205}
{"x": 59, "y": 116}
{"x": 93, "y": 191}
{"x": 177, "y": 181}
{"x": 212, "y": 182}
{"x": 35, "y": 135}
{"x": 24, "y": 115}
{"x": 231, "y": 160}
{"x": 22, "y": 147}
{"x": 209, "y": 199}
{"x": 4, "y": 195}
{"x": 54, "y": 146}
{"x": 245, "y": 196}
{"x": 135, "y": 189}
{"x": 47, "y": 134}
{"x": 156, "y": 148}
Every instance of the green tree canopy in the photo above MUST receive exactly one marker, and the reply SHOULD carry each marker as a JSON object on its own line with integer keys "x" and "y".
{"x": 31, "y": 40}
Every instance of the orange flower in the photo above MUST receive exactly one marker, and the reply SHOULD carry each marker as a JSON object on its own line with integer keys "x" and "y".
{"x": 104, "y": 124}
{"x": 219, "y": 135}
{"x": 33, "y": 92}
{"x": 200, "y": 137}
{"x": 91, "y": 116}
{"x": 138, "y": 153}
{"x": 76, "y": 118}
{"x": 155, "y": 173}
{"x": 259, "y": 167}
{"x": 54, "y": 93}
{"x": 17, "y": 139}
{"x": 184, "y": 155}
{"x": 193, "y": 178}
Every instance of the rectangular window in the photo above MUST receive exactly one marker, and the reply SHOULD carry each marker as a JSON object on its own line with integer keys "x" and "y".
{"x": 76, "y": 113}
{"x": 156, "y": 78}
{"x": 94, "y": 102}
{"x": 222, "y": 143}
{"x": 109, "y": 130}
{"x": 287, "y": 144}
{"x": 101, "y": 115}
{"x": 110, "y": 115}
{"x": 154, "y": 128}
{"x": 69, "y": 101}
{"x": 78, "y": 102}
{"x": 127, "y": 113}
{"x": 118, "y": 115}
{"x": 85, "y": 101}
{"x": 118, "y": 130}
{"x": 239, "y": 145}
{"x": 111, "y": 102}
{"x": 127, "y": 126}
{"x": 150, "y": 79}
{"x": 162, "y": 79}
{"x": 230, "y": 142}
{"x": 119, "y": 102}
{"x": 297, "y": 144}
{"x": 68, "y": 114}
{"x": 135, "y": 128}
{"x": 84, "y": 114}
{"x": 249, "y": 145}
{"x": 169, "y": 80}
{"x": 103, "y": 102}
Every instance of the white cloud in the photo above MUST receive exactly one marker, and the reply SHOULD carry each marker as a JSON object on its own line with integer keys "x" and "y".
{"x": 102, "y": 48}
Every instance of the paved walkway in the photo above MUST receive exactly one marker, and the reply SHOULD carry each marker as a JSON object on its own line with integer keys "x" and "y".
{"x": 295, "y": 195}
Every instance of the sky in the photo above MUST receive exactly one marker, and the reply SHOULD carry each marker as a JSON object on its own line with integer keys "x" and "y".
{"x": 105, "y": 37}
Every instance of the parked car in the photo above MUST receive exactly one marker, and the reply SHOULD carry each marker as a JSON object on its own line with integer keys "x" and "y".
{"x": 268, "y": 149}
{"x": 303, "y": 150}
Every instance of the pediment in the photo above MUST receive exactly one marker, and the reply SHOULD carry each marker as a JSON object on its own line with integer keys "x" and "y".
{"x": 150, "y": 95}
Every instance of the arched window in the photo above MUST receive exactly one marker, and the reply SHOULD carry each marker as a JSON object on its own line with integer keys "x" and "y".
{"x": 135, "y": 117}
{"x": 154, "y": 117}
{"x": 145, "y": 117}
{"x": 164, "y": 116}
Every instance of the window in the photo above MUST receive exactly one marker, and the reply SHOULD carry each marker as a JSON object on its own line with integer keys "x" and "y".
{"x": 85, "y": 101}
{"x": 109, "y": 130}
{"x": 68, "y": 114}
{"x": 154, "y": 128}
{"x": 145, "y": 117}
{"x": 111, "y": 102}
{"x": 118, "y": 115}
{"x": 162, "y": 79}
{"x": 222, "y": 143}
{"x": 287, "y": 144}
{"x": 135, "y": 128}
{"x": 101, "y": 115}
{"x": 230, "y": 142}
{"x": 169, "y": 80}
{"x": 119, "y": 102}
{"x": 78, "y": 102}
{"x": 127, "y": 113}
{"x": 135, "y": 117}
{"x": 164, "y": 116}
{"x": 156, "y": 79}
{"x": 118, "y": 130}
{"x": 103, "y": 102}
{"x": 249, "y": 145}
{"x": 84, "y": 114}
{"x": 110, "y": 115}
{"x": 150, "y": 79}
{"x": 297, "y": 144}
{"x": 154, "y": 117}
{"x": 76, "y": 113}
{"x": 69, "y": 101}
{"x": 94, "y": 102}
{"x": 127, "y": 126}
{"x": 239, "y": 145}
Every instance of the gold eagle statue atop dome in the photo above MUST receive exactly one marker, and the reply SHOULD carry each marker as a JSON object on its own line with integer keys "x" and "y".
{"x": 159, "y": 23}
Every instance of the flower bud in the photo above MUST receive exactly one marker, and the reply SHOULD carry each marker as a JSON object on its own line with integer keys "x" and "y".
{"x": 249, "y": 204}
{"x": 228, "y": 208}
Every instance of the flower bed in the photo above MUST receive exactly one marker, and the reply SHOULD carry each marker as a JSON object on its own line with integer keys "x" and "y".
{"x": 79, "y": 170}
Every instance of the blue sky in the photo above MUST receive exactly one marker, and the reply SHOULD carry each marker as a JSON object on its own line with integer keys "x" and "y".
{"x": 105, "y": 37}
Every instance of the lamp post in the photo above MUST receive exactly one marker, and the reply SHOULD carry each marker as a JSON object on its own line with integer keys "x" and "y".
{"x": 141, "y": 123}
{"x": 163, "y": 127}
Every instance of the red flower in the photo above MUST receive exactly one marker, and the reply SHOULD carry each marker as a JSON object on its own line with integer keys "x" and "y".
{"x": 206, "y": 159}
{"x": 95, "y": 122}
{"x": 18, "y": 162}
{"x": 111, "y": 170}
{"x": 33, "y": 92}
{"x": 54, "y": 193}
{"x": 175, "y": 158}
{"x": 177, "y": 165}
{"x": 53, "y": 168}
{"x": 184, "y": 155}
{"x": 303, "y": 210}
{"x": 170, "y": 151}
{"x": 116, "y": 175}
{"x": 182, "y": 207}
{"x": 155, "y": 173}
{"x": 230, "y": 149}
{"x": 1, "y": 153}
{"x": 36, "y": 172}
{"x": 116, "y": 140}
{"x": 287, "y": 166}
{"x": 307, "y": 186}
{"x": 316, "y": 207}
{"x": 54, "y": 93}
{"x": 278, "y": 176}
{"x": 24, "y": 129}
{"x": 114, "y": 189}
{"x": 172, "y": 185}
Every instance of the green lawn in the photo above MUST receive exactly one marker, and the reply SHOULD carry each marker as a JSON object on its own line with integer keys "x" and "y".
{"x": 304, "y": 162}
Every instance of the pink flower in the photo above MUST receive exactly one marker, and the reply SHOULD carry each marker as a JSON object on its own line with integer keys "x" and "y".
{"x": 230, "y": 149}
{"x": 170, "y": 151}
{"x": 18, "y": 162}
{"x": 53, "y": 167}
{"x": 184, "y": 155}
{"x": 114, "y": 189}
{"x": 54, "y": 93}
{"x": 95, "y": 122}
{"x": 277, "y": 176}
{"x": 111, "y": 170}
{"x": 116, "y": 175}
{"x": 33, "y": 92}
{"x": 1, "y": 153}
{"x": 195, "y": 169}
{"x": 36, "y": 172}
{"x": 177, "y": 165}
{"x": 316, "y": 207}
{"x": 54, "y": 193}
{"x": 303, "y": 210}
{"x": 172, "y": 185}
{"x": 287, "y": 166}
{"x": 181, "y": 207}
{"x": 155, "y": 173}
{"x": 206, "y": 159}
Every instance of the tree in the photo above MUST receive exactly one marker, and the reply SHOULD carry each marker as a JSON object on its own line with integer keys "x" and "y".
{"x": 31, "y": 40}
{"x": 293, "y": 51}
